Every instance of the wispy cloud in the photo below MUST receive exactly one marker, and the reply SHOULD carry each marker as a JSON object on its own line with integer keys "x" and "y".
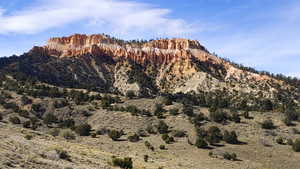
{"x": 269, "y": 46}
{"x": 116, "y": 15}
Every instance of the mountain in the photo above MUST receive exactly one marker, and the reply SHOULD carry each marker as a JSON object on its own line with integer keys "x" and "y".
{"x": 146, "y": 68}
{"x": 97, "y": 102}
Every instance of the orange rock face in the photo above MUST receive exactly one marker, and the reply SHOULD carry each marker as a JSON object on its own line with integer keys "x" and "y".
{"x": 157, "y": 51}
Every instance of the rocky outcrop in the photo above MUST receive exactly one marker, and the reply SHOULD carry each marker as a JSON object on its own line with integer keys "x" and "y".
{"x": 164, "y": 65}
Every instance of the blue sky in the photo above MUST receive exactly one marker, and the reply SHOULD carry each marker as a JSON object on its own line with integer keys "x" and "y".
{"x": 260, "y": 33}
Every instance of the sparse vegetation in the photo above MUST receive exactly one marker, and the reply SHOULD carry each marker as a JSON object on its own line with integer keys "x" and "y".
{"x": 230, "y": 137}
{"x": 83, "y": 129}
{"x": 115, "y": 134}
{"x": 267, "y": 124}
{"x": 296, "y": 145}
{"x": 14, "y": 120}
{"x": 125, "y": 163}
{"x": 218, "y": 116}
{"x": 67, "y": 134}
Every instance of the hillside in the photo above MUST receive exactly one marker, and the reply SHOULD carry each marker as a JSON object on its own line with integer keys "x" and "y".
{"x": 94, "y": 101}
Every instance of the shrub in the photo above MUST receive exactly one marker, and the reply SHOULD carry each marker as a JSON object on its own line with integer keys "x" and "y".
{"x": 292, "y": 115}
{"x": 151, "y": 130}
{"x": 218, "y": 116}
{"x": 50, "y": 119}
{"x": 14, "y": 120}
{"x": 174, "y": 112}
{"x": 134, "y": 138}
{"x": 162, "y": 147}
{"x": 27, "y": 124}
{"x": 229, "y": 156}
{"x": 188, "y": 110}
{"x": 54, "y": 132}
{"x": 279, "y": 140}
{"x": 230, "y": 137}
{"x": 28, "y": 137}
{"x": 63, "y": 154}
{"x": 287, "y": 121}
{"x": 69, "y": 123}
{"x": 26, "y": 100}
{"x": 289, "y": 142}
{"x": 125, "y": 163}
{"x": 23, "y": 113}
{"x": 60, "y": 103}
{"x": 198, "y": 119}
{"x": 201, "y": 132}
{"x": 162, "y": 127}
{"x": 167, "y": 138}
{"x": 267, "y": 124}
{"x": 179, "y": 133}
{"x": 130, "y": 94}
{"x": 201, "y": 143}
{"x": 296, "y": 145}
{"x": 146, "y": 157}
{"x": 149, "y": 146}
{"x": 167, "y": 101}
{"x": 83, "y": 129}
{"x": 102, "y": 131}
{"x": 246, "y": 115}
{"x": 93, "y": 135}
{"x": 214, "y": 135}
{"x": 158, "y": 111}
{"x": 235, "y": 117}
{"x": 115, "y": 134}
{"x": 67, "y": 134}
{"x": 1, "y": 117}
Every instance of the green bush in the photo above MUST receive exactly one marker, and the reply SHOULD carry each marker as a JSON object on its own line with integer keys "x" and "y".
{"x": 158, "y": 111}
{"x": 69, "y": 123}
{"x": 201, "y": 143}
{"x": 130, "y": 94}
{"x": 179, "y": 133}
{"x": 167, "y": 101}
{"x": 279, "y": 140}
{"x": 149, "y": 146}
{"x": 198, "y": 119}
{"x": 267, "y": 124}
{"x": 151, "y": 130}
{"x": 247, "y": 115}
{"x": 125, "y": 163}
{"x": 115, "y": 134}
{"x": 146, "y": 157}
{"x": 54, "y": 132}
{"x": 50, "y": 119}
{"x": 167, "y": 138}
{"x": 229, "y": 156}
{"x": 162, "y": 127}
{"x": 296, "y": 145}
{"x": 188, "y": 110}
{"x": 63, "y": 154}
{"x": 134, "y": 138}
{"x": 28, "y": 137}
{"x": 287, "y": 121}
{"x": 174, "y": 112}
{"x": 230, "y": 137}
{"x": 26, "y": 100}
{"x": 14, "y": 120}
{"x": 162, "y": 147}
{"x": 214, "y": 135}
{"x": 218, "y": 116}
{"x": 23, "y": 113}
{"x": 27, "y": 124}
{"x": 83, "y": 129}
{"x": 67, "y": 134}
{"x": 235, "y": 117}
{"x": 289, "y": 142}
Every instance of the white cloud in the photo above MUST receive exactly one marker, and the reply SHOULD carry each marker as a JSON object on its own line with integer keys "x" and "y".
{"x": 116, "y": 15}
